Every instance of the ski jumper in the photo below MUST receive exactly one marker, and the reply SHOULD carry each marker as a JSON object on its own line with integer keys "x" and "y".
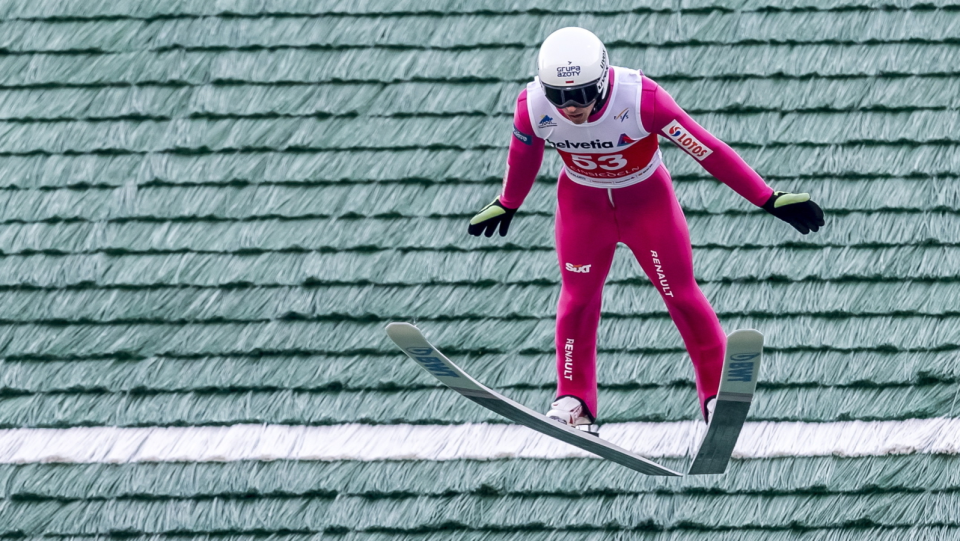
{"x": 614, "y": 188}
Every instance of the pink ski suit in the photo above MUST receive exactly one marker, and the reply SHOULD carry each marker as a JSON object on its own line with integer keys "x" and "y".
{"x": 645, "y": 216}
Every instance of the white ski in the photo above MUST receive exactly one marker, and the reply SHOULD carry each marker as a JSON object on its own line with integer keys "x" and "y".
{"x": 737, "y": 385}
{"x": 412, "y": 342}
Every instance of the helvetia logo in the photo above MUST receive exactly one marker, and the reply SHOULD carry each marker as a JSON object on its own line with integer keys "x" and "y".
{"x": 578, "y": 268}
{"x": 679, "y": 135}
{"x": 546, "y": 121}
{"x": 596, "y": 143}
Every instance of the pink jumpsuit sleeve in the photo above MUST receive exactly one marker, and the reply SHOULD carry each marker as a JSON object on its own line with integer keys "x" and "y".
{"x": 658, "y": 109}
{"x": 524, "y": 158}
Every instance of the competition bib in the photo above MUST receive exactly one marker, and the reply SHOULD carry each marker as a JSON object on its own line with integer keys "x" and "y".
{"x": 633, "y": 163}
{"x": 611, "y": 152}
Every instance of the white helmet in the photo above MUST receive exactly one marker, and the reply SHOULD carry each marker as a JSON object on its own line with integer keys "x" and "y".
{"x": 573, "y": 67}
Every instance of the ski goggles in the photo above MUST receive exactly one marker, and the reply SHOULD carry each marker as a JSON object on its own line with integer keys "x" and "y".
{"x": 578, "y": 96}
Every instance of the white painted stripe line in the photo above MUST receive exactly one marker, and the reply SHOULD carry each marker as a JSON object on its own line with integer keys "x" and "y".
{"x": 449, "y": 442}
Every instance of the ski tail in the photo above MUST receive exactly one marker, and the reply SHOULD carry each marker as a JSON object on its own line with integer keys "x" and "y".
{"x": 738, "y": 384}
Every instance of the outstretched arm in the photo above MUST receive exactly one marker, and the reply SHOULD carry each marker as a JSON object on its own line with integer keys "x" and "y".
{"x": 523, "y": 164}
{"x": 524, "y": 158}
{"x": 660, "y": 114}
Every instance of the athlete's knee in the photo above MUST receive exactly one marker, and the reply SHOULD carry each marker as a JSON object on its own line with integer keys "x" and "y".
{"x": 685, "y": 297}
{"x": 574, "y": 302}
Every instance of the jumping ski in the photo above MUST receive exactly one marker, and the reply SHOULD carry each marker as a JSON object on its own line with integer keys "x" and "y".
{"x": 737, "y": 386}
{"x": 409, "y": 339}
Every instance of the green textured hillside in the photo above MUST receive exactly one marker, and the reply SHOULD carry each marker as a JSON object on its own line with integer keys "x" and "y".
{"x": 209, "y": 211}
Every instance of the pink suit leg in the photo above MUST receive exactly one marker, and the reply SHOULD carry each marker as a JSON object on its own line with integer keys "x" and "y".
{"x": 647, "y": 218}
{"x": 653, "y": 226}
{"x": 586, "y": 235}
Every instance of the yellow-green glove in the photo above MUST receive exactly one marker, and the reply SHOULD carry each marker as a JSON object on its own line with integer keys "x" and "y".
{"x": 797, "y": 210}
{"x": 489, "y": 217}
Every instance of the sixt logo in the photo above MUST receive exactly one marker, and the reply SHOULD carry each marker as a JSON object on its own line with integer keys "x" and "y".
{"x": 546, "y": 122}
{"x": 578, "y": 268}
{"x": 434, "y": 365}
{"x": 626, "y": 140}
{"x": 596, "y": 143}
{"x": 623, "y": 115}
{"x": 676, "y": 132}
{"x": 741, "y": 369}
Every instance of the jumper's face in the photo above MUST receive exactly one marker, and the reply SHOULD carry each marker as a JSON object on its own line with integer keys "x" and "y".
{"x": 577, "y": 115}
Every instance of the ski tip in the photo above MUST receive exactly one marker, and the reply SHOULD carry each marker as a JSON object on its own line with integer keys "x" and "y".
{"x": 751, "y": 334}
{"x": 398, "y": 325}
{"x": 397, "y": 330}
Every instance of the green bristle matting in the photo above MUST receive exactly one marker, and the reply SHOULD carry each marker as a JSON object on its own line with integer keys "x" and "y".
{"x": 209, "y": 211}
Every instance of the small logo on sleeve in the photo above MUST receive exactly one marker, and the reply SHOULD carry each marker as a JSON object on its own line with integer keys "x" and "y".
{"x": 679, "y": 135}
{"x": 578, "y": 268}
{"x": 524, "y": 138}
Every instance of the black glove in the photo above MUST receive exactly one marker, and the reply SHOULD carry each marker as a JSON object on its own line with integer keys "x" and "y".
{"x": 489, "y": 217}
{"x": 796, "y": 209}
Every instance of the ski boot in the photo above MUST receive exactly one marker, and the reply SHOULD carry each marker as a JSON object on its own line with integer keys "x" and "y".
{"x": 570, "y": 411}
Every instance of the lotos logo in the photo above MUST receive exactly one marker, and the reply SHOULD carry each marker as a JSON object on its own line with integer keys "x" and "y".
{"x": 546, "y": 121}
{"x": 622, "y": 115}
{"x": 578, "y": 268}
{"x": 432, "y": 364}
{"x": 679, "y": 135}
